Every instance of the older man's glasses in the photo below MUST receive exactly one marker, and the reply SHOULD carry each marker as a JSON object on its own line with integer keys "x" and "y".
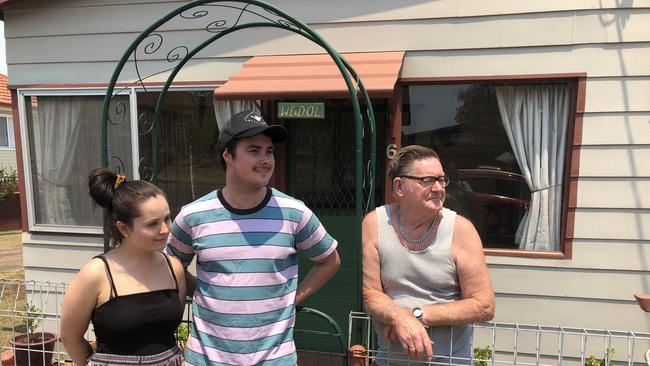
{"x": 429, "y": 180}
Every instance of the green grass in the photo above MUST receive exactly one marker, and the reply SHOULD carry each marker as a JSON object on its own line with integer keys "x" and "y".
{"x": 11, "y": 246}
{"x": 9, "y": 323}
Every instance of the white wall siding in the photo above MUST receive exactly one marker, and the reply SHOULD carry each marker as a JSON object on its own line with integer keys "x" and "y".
{"x": 627, "y": 59}
{"x": 614, "y": 128}
{"x": 30, "y": 17}
{"x": 618, "y": 94}
{"x": 62, "y": 42}
{"x": 8, "y": 158}
{"x": 86, "y": 73}
{"x": 614, "y": 193}
{"x": 55, "y": 258}
{"x": 573, "y": 312}
{"x": 625, "y": 224}
{"x": 597, "y": 254}
{"x": 615, "y": 161}
{"x": 419, "y": 34}
{"x": 574, "y": 283}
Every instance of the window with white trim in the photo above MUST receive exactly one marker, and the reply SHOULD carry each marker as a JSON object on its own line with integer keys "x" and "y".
{"x": 503, "y": 145}
{"x": 6, "y": 133}
{"x": 61, "y": 130}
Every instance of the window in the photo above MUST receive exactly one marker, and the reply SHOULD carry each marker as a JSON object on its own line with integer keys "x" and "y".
{"x": 188, "y": 160}
{"x": 503, "y": 145}
{"x": 63, "y": 132}
{"x": 6, "y": 133}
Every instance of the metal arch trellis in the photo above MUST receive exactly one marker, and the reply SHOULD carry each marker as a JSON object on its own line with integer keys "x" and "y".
{"x": 151, "y": 41}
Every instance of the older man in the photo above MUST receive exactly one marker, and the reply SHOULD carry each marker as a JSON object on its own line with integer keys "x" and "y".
{"x": 424, "y": 273}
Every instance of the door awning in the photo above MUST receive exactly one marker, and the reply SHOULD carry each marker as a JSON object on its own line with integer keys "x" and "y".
{"x": 310, "y": 76}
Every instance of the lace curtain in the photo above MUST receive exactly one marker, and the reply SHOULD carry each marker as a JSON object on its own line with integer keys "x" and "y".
{"x": 535, "y": 118}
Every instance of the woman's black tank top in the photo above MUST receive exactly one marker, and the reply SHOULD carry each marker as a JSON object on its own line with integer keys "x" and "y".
{"x": 137, "y": 324}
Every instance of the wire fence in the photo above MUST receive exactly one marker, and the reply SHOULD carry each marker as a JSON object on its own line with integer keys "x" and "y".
{"x": 515, "y": 344}
{"x": 30, "y": 320}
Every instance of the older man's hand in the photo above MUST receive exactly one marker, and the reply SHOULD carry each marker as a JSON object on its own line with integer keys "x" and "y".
{"x": 408, "y": 331}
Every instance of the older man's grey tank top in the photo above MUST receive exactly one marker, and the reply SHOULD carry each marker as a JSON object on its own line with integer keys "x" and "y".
{"x": 417, "y": 278}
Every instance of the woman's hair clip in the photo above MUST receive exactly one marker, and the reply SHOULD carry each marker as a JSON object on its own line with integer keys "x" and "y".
{"x": 120, "y": 179}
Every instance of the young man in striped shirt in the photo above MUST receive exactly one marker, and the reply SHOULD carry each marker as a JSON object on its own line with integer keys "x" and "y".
{"x": 246, "y": 237}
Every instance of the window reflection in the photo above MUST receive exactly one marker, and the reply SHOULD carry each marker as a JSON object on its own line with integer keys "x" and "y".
{"x": 463, "y": 124}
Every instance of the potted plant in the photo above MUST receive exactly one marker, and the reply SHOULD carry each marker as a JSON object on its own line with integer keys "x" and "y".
{"x": 182, "y": 333}
{"x": 482, "y": 355}
{"x": 606, "y": 360}
{"x": 33, "y": 348}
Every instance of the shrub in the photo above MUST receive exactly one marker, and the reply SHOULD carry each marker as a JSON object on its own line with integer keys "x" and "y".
{"x": 482, "y": 355}
{"x": 607, "y": 359}
{"x": 182, "y": 333}
{"x": 33, "y": 318}
{"x": 8, "y": 184}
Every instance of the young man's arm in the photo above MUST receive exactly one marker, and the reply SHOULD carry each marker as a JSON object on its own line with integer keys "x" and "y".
{"x": 179, "y": 245}
{"x": 190, "y": 283}
{"x": 319, "y": 246}
{"x": 322, "y": 271}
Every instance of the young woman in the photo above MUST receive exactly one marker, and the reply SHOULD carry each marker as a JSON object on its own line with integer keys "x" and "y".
{"x": 134, "y": 294}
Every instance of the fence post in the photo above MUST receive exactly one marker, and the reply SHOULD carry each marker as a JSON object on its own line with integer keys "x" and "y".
{"x": 358, "y": 355}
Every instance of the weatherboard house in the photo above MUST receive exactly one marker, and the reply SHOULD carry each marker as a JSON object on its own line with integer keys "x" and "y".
{"x": 539, "y": 111}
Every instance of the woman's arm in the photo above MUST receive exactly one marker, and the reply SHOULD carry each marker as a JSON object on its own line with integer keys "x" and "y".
{"x": 79, "y": 302}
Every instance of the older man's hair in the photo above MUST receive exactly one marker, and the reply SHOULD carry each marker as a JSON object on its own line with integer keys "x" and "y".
{"x": 405, "y": 158}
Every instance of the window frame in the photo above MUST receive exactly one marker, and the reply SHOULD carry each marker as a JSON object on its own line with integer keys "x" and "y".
{"x": 26, "y": 153}
{"x": 132, "y": 92}
{"x": 572, "y": 154}
{"x": 11, "y": 143}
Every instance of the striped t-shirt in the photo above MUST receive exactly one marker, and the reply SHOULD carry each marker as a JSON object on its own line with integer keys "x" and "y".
{"x": 247, "y": 275}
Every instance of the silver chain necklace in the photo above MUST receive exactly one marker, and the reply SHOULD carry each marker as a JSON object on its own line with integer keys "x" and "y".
{"x": 407, "y": 237}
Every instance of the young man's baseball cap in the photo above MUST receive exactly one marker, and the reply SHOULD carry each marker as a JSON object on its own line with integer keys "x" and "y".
{"x": 249, "y": 123}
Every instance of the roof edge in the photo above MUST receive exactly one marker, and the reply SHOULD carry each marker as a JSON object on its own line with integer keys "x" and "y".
{"x": 4, "y": 4}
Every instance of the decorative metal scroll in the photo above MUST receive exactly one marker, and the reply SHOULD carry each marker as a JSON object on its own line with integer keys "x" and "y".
{"x": 215, "y": 19}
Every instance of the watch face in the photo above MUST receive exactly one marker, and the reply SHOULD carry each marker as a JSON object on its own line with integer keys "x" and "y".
{"x": 417, "y": 312}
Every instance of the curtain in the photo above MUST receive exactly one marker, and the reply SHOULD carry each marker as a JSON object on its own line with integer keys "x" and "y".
{"x": 535, "y": 118}
{"x": 60, "y": 135}
{"x": 66, "y": 144}
{"x": 224, "y": 109}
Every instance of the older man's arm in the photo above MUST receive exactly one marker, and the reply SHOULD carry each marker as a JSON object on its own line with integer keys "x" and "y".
{"x": 407, "y": 330}
{"x": 477, "y": 303}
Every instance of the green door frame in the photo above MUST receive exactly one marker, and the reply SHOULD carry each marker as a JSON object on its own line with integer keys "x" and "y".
{"x": 266, "y": 16}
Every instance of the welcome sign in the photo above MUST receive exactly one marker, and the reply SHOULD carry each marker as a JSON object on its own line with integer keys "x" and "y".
{"x": 301, "y": 110}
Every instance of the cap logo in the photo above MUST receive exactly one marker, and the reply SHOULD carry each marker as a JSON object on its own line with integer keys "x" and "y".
{"x": 253, "y": 117}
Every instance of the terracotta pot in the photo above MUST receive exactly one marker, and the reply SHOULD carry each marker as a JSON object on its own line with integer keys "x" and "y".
{"x": 644, "y": 301}
{"x": 8, "y": 358}
{"x": 33, "y": 352}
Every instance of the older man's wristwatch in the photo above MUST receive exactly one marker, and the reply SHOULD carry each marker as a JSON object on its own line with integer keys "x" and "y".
{"x": 418, "y": 313}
